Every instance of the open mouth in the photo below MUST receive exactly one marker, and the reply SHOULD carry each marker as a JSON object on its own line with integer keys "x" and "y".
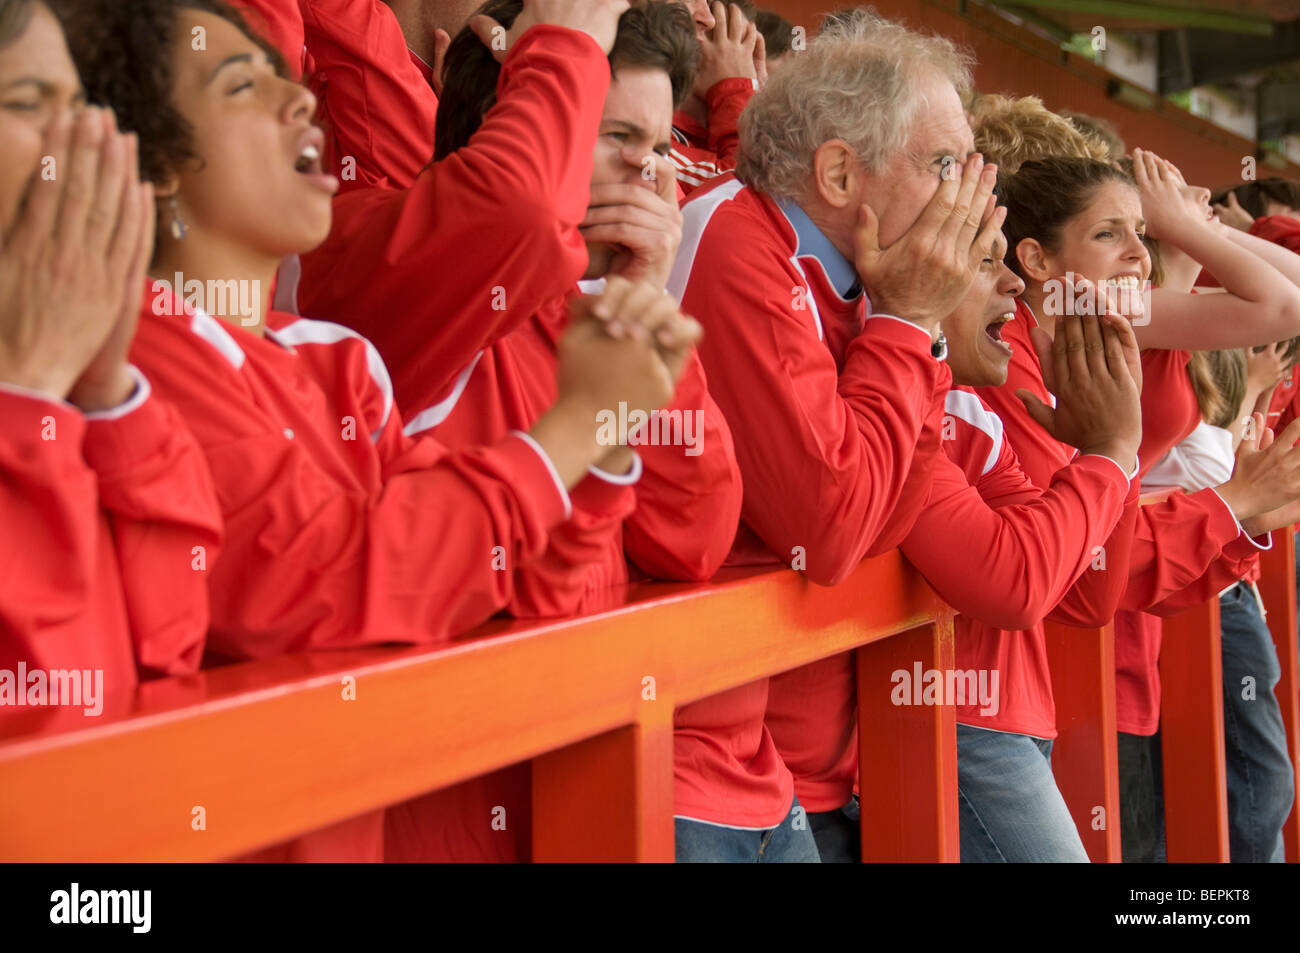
{"x": 1123, "y": 294}
{"x": 994, "y": 328}
{"x": 308, "y": 161}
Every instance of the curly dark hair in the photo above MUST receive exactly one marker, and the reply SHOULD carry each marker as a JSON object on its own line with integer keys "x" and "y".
{"x": 14, "y": 17}
{"x": 123, "y": 52}
{"x": 656, "y": 33}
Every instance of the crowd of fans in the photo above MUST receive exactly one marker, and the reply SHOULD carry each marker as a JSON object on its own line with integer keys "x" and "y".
{"x": 329, "y": 323}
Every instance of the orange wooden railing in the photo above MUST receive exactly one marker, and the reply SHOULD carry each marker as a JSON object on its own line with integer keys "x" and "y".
{"x": 1191, "y": 719}
{"x": 272, "y": 750}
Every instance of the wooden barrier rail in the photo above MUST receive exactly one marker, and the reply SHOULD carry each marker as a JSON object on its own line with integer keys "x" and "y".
{"x": 272, "y": 749}
{"x": 1084, "y": 758}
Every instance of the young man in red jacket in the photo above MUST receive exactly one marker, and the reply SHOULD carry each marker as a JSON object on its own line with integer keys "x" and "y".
{"x": 835, "y": 402}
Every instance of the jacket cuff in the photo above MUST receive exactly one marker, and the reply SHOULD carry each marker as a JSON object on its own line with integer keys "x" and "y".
{"x": 1243, "y": 544}
{"x": 537, "y": 470}
{"x": 37, "y": 424}
{"x": 724, "y": 89}
{"x": 900, "y": 330}
{"x": 602, "y": 493}
{"x": 134, "y": 429}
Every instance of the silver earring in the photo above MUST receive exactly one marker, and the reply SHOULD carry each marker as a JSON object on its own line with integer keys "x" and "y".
{"x": 178, "y": 227}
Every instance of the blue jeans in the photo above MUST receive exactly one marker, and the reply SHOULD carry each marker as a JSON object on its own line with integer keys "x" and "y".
{"x": 1261, "y": 782}
{"x": 838, "y": 834}
{"x": 790, "y": 842}
{"x": 1009, "y": 806}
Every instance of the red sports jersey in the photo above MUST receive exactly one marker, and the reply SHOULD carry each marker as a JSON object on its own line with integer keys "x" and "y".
{"x": 701, "y": 153}
{"x": 376, "y": 103}
{"x": 1030, "y": 546}
{"x": 674, "y": 517}
{"x": 1279, "y": 229}
{"x": 111, "y": 523}
{"x": 280, "y": 23}
{"x": 836, "y": 419}
{"x": 483, "y": 239}
{"x": 341, "y": 530}
{"x": 1177, "y": 549}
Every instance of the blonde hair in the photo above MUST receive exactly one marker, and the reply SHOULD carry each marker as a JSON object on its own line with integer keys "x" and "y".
{"x": 1219, "y": 382}
{"x": 857, "y": 82}
{"x": 1012, "y": 132}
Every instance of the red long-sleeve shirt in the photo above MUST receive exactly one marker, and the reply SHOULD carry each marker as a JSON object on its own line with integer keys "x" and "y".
{"x": 375, "y": 101}
{"x": 374, "y": 98}
{"x": 1029, "y": 547}
{"x": 674, "y": 517}
{"x": 280, "y": 23}
{"x": 1187, "y": 541}
{"x": 341, "y": 530}
{"x": 829, "y": 410}
{"x": 111, "y": 524}
{"x": 484, "y": 238}
{"x": 702, "y": 153}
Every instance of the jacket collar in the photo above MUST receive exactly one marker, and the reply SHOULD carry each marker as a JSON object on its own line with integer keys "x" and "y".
{"x": 811, "y": 242}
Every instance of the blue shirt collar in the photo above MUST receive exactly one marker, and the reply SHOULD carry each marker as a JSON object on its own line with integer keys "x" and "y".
{"x": 811, "y": 242}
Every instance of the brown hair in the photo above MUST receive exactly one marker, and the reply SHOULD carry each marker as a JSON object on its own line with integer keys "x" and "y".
{"x": 14, "y": 17}
{"x": 1012, "y": 132}
{"x": 1219, "y": 382}
{"x": 1045, "y": 194}
{"x": 1255, "y": 196}
{"x": 659, "y": 34}
{"x": 778, "y": 32}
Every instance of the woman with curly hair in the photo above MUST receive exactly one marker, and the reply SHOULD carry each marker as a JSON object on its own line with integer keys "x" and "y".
{"x": 341, "y": 530}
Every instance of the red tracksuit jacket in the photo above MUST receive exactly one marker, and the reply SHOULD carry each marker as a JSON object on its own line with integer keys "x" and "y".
{"x": 1191, "y": 540}
{"x": 674, "y": 517}
{"x": 341, "y": 530}
{"x": 836, "y": 419}
{"x": 701, "y": 153}
{"x": 483, "y": 239}
{"x": 374, "y": 97}
{"x": 111, "y": 523}
{"x": 1026, "y": 555}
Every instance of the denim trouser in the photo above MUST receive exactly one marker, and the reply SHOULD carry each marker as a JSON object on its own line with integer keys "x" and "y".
{"x": 1010, "y": 808}
{"x": 790, "y": 842}
{"x": 1261, "y": 783}
{"x": 1141, "y": 807}
{"x": 838, "y": 834}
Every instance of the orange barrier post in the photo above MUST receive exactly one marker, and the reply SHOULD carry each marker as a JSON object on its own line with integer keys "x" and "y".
{"x": 907, "y": 754}
{"x": 1277, "y": 589}
{"x": 1191, "y": 733}
{"x": 1085, "y": 760}
{"x": 273, "y": 749}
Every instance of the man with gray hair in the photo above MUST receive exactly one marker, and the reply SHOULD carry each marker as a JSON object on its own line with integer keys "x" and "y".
{"x": 821, "y": 273}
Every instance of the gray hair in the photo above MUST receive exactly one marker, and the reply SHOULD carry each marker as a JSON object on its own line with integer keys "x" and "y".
{"x": 856, "y": 82}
